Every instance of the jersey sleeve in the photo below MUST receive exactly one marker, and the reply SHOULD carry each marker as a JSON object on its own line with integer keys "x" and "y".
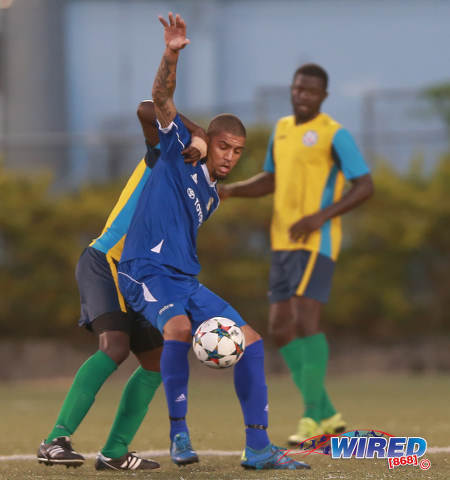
{"x": 174, "y": 138}
{"x": 269, "y": 164}
{"x": 347, "y": 155}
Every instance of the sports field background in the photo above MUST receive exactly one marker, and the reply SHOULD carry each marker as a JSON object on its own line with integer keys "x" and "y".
{"x": 409, "y": 405}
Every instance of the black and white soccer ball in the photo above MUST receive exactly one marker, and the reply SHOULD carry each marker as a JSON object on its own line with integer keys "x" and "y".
{"x": 218, "y": 342}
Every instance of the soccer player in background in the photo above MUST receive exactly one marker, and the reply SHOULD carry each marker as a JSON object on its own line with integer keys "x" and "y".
{"x": 308, "y": 159}
{"x": 159, "y": 264}
{"x": 119, "y": 330}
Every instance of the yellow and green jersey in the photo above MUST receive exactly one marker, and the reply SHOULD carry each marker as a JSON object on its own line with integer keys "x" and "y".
{"x": 311, "y": 162}
{"x": 112, "y": 238}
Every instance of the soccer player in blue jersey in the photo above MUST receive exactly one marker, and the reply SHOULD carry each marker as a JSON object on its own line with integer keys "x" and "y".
{"x": 309, "y": 158}
{"x": 119, "y": 329}
{"x": 159, "y": 264}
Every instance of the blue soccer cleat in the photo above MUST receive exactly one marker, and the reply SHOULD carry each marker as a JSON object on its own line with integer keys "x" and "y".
{"x": 270, "y": 458}
{"x": 181, "y": 450}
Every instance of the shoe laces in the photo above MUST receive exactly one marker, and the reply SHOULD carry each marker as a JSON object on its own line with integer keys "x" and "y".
{"x": 129, "y": 456}
{"x": 182, "y": 442}
{"x": 63, "y": 442}
{"x": 279, "y": 453}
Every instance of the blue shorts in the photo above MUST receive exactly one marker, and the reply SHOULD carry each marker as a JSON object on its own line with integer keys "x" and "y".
{"x": 159, "y": 293}
{"x": 301, "y": 273}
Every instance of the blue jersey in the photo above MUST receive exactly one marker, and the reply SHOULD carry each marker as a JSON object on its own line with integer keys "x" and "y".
{"x": 174, "y": 203}
{"x": 113, "y": 235}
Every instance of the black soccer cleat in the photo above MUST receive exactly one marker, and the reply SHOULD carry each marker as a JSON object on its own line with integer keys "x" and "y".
{"x": 129, "y": 461}
{"x": 59, "y": 452}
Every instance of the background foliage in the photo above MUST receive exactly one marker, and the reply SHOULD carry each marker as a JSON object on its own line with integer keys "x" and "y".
{"x": 393, "y": 276}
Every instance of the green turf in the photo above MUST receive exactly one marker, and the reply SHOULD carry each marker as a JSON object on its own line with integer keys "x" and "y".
{"x": 400, "y": 405}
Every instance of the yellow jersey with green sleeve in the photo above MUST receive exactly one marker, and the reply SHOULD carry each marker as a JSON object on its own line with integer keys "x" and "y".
{"x": 311, "y": 162}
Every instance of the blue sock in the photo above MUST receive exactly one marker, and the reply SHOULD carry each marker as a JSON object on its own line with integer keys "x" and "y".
{"x": 175, "y": 376}
{"x": 251, "y": 389}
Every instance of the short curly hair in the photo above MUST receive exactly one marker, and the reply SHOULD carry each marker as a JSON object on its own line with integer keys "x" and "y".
{"x": 313, "y": 70}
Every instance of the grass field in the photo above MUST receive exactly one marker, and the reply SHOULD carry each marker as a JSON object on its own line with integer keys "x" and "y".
{"x": 400, "y": 405}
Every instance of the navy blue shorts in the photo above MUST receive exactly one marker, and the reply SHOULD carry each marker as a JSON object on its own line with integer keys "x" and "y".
{"x": 160, "y": 293}
{"x": 102, "y": 305}
{"x": 300, "y": 273}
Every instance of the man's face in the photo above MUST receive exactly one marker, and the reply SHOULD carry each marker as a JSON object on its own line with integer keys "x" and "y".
{"x": 307, "y": 95}
{"x": 224, "y": 151}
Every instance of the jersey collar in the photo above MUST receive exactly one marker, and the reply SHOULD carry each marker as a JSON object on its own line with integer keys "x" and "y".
{"x": 208, "y": 179}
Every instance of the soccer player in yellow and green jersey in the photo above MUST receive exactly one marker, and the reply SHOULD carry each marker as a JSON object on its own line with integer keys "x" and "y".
{"x": 119, "y": 329}
{"x": 309, "y": 158}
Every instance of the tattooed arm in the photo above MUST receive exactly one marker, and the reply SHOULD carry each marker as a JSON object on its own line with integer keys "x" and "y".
{"x": 165, "y": 80}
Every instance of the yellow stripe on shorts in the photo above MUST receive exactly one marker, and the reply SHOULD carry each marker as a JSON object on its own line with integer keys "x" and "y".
{"x": 307, "y": 275}
{"x": 115, "y": 276}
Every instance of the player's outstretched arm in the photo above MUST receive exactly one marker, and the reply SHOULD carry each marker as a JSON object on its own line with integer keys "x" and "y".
{"x": 165, "y": 80}
{"x": 257, "y": 186}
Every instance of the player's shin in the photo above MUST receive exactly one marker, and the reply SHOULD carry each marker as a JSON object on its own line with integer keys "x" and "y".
{"x": 136, "y": 397}
{"x": 175, "y": 376}
{"x": 292, "y": 355}
{"x": 87, "y": 382}
{"x": 251, "y": 389}
{"x": 314, "y": 361}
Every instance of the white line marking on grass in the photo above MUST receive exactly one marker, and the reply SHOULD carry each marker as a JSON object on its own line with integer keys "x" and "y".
{"x": 165, "y": 453}
{"x": 438, "y": 450}
{"x": 148, "y": 453}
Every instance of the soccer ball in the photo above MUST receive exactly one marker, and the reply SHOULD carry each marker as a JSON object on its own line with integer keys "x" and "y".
{"x": 218, "y": 342}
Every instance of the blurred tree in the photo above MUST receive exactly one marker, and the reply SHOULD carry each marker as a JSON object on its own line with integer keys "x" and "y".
{"x": 41, "y": 237}
{"x": 439, "y": 98}
{"x": 395, "y": 267}
{"x": 393, "y": 276}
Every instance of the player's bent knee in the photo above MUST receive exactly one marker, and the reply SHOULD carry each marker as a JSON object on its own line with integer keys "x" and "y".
{"x": 281, "y": 329}
{"x": 150, "y": 359}
{"x": 307, "y": 316}
{"x": 178, "y": 328}
{"x": 251, "y": 336}
{"x": 115, "y": 344}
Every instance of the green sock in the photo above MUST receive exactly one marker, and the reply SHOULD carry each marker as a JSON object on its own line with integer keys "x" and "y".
{"x": 136, "y": 397}
{"x": 295, "y": 358}
{"x": 315, "y": 359}
{"x": 87, "y": 382}
{"x": 327, "y": 409}
{"x": 292, "y": 354}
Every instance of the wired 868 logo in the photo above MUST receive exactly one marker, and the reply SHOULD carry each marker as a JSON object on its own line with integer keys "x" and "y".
{"x": 398, "y": 451}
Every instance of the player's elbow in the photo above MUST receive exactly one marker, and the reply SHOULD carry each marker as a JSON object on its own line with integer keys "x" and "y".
{"x": 146, "y": 111}
{"x": 364, "y": 188}
{"x": 369, "y": 187}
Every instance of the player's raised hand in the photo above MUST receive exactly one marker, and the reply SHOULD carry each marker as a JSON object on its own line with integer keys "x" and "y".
{"x": 191, "y": 155}
{"x": 174, "y": 32}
